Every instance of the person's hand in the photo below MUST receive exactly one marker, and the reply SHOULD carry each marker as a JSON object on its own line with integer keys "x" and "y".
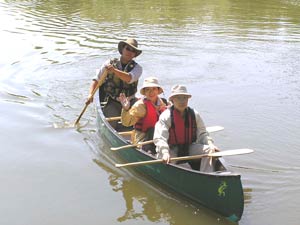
{"x": 89, "y": 99}
{"x": 211, "y": 149}
{"x": 124, "y": 101}
{"x": 110, "y": 68}
{"x": 166, "y": 157}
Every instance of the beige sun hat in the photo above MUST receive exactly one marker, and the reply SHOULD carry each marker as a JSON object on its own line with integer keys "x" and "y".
{"x": 179, "y": 90}
{"x": 132, "y": 43}
{"x": 151, "y": 82}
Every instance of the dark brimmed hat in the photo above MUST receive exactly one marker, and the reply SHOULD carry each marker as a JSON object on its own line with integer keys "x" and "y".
{"x": 132, "y": 43}
{"x": 151, "y": 82}
{"x": 179, "y": 90}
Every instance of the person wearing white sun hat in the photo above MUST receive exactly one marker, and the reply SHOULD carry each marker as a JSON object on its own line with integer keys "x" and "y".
{"x": 180, "y": 131}
{"x": 145, "y": 112}
{"x": 123, "y": 75}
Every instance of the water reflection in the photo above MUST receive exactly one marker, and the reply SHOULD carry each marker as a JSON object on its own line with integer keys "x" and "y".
{"x": 81, "y": 22}
{"x": 165, "y": 12}
{"x": 149, "y": 207}
{"x": 247, "y": 195}
{"x": 138, "y": 204}
{"x": 144, "y": 203}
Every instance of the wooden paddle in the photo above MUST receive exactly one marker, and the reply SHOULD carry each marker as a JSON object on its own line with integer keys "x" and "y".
{"x": 113, "y": 118}
{"x": 132, "y": 146}
{"x": 215, "y": 154}
{"x": 214, "y": 129}
{"x": 100, "y": 82}
{"x": 124, "y": 133}
{"x": 209, "y": 130}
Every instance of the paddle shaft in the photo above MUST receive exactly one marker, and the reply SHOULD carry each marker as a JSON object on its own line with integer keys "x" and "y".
{"x": 215, "y": 154}
{"x": 100, "y": 82}
{"x": 209, "y": 130}
{"x": 113, "y": 118}
{"x": 82, "y": 112}
{"x": 124, "y": 133}
{"x": 132, "y": 146}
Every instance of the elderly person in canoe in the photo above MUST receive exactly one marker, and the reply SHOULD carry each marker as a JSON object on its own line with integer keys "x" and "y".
{"x": 180, "y": 131}
{"x": 145, "y": 112}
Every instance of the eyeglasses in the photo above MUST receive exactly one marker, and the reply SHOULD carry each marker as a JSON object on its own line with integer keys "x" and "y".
{"x": 130, "y": 49}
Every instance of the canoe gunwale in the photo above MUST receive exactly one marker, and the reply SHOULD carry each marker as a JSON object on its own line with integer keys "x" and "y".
{"x": 232, "y": 211}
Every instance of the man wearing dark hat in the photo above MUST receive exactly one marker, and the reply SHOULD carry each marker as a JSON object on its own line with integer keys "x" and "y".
{"x": 123, "y": 75}
{"x": 180, "y": 131}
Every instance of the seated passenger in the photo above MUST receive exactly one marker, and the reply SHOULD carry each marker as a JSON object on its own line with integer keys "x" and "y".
{"x": 144, "y": 113}
{"x": 180, "y": 131}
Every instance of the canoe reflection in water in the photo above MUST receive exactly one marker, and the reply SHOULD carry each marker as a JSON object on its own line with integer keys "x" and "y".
{"x": 145, "y": 203}
{"x": 149, "y": 207}
{"x": 138, "y": 204}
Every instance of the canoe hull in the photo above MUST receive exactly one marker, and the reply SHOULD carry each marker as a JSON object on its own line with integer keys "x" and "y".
{"x": 221, "y": 192}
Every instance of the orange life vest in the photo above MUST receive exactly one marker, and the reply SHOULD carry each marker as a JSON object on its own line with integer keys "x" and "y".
{"x": 150, "y": 118}
{"x": 182, "y": 130}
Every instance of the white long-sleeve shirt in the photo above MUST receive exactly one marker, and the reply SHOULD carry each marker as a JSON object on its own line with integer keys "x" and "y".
{"x": 161, "y": 133}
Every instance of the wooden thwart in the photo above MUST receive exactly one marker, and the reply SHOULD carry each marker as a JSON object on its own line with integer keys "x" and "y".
{"x": 215, "y": 154}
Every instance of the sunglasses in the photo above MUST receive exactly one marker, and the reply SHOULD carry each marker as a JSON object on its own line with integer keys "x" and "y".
{"x": 130, "y": 49}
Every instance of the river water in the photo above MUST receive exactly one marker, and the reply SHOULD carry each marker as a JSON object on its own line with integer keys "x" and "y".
{"x": 239, "y": 59}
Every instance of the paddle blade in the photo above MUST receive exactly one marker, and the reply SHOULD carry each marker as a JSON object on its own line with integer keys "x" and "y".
{"x": 64, "y": 124}
{"x": 231, "y": 152}
{"x": 67, "y": 124}
{"x": 214, "y": 129}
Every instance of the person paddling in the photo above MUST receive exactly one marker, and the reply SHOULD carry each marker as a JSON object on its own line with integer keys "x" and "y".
{"x": 123, "y": 76}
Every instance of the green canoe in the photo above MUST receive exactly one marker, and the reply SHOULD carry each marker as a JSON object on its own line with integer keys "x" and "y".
{"x": 220, "y": 191}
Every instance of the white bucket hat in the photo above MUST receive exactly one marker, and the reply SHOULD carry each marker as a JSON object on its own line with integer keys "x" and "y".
{"x": 151, "y": 82}
{"x": 132, "y": 43}
{"x": 179, "y": 90}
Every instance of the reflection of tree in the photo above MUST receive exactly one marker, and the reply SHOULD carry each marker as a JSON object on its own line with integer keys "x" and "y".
{"x": 170, "y": 13}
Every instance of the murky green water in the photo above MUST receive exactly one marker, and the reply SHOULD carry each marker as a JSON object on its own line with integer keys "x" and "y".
{"x": 239, "y": 59}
